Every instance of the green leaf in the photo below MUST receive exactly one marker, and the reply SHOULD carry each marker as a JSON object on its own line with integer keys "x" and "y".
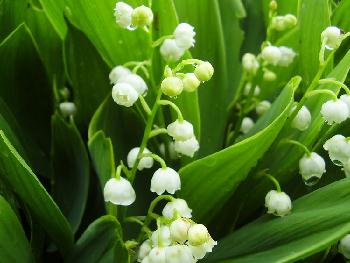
{"x": 317, "y": 221}
{"x": 102, "y": 240}
{"x": 340, "y": 18}
{"x": 70, "y": 163}
{"x": 20, "y": 179}
{"x": 219, "y": 174}
{"x": 14, "y": 246}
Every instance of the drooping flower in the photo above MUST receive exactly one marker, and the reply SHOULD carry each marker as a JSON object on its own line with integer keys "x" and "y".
{"x": 141, "y": 16}
{"x": 144, "y": 250}
{"x": 179, "y": 254}
{"x": 68, "y": 108}
{"x": 161, "y": 237}
{"x": 145, "y": 162}
{"x": 124, "y": 94}
{"x": 287, "y": 56}
{"x": 204, "y": 71}
{"x": 332, "y": 37}
{"x": 262, "y": 107}
{"x": 335, "y": 111}
{"x": 170, "y": 50}
{"x": 165, "y": 179}
{"x": 190, "y": 82}
{"x": 117, "y": 73}
{"x": 338, "y": 148}
{"x": 179, "y": 230}
{"x": 188, "y": 147}
{"x": 180, "y": 130}
{"x": 250, "y": 63}
{"x": 184, "y": 36}
{"x": 278, "y": 203}
{"x": 247, "y": 124}
{"x": 177, "y": 207}
{"x": 136, "y": 82}
{"x": 172, "y": 86}
{"x": 312, "y": 167}
{"x": 271, "y": 55}
{"x": 302, "y": 120}
{"x": 123, "y": 14}
{"x": 119, "y": 191}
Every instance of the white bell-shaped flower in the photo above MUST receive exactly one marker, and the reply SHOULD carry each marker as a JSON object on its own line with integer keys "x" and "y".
{"x": 136, "y": 82}
{"x": 179, "y": 230}
{"x": 68, "y": 108}
{"x": 262, "y": 107}
{"x": 200, "y": 251}
{"x": 346, "y": 99}
{"x": 184, "y": 36}
{"x": 278, "y": 203}
{"x": 141, "y": 16}
{"x": 344, "y": 246}
{"x": 335, "y": 111}
{"x": 302, "y": 120}
{"x": 172, "y": 86}
{"x": 281, "y": 23}
{"x": 333, "y": 37}
{"x": 247, "y": 124}
{"x": 312, "y": 167}
{"x": 190, "y": 82}
{"x": 119, "y": 192}
{"x": 117, "y": 73}
{"x": 161, "y": 237}
{"x": 269, "y": 76}
{"x": 165, "y": 179}
{"x": 338, "y": 148}
{"x": 170, "y": 51}
{"x": 124, "y": 94}
{"x": 250, "y": 63}
{"x": 248, "y": 87}
{"x": 144, "y": 250}
{"x": 179, "y": 254}
{"x": 271, "y": 54}
{"x": 287, "y": 56}
{"x": 198, "y": 235}
{"x": 204, "y": 71}
{"x": 180, "y": 130}
{"x": 157, "y": 255}
{"x": 177, "y": 207}
{"x": 145, "y": 162}
{"x": 123, "y": 14}
{"x": 188, "y": 147}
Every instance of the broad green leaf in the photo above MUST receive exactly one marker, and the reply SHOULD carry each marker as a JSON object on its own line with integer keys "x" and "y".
{"x": 54, "y": 10}
{"x": 340, "y": 17}
{"x": 101, "y": 242}
{"x": 14, "y": 246}
{"x": 70, "y": 169}
{"x": 219, "y": 174}
{"x": 317, "y": 221}
{"x": 20, "y": 179}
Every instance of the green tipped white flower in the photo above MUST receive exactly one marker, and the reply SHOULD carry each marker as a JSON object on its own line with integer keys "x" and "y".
{"x": 250, "y": 63}
{"x": 281, "y": 23}
{"x": 190, "y": 82}
{"x": 204, "y": 71}
{"x": 271, "y": 55}
{"x": 172, "y": 86}
{"x": 247, "y": 124}
{"x": 141, "y": 16}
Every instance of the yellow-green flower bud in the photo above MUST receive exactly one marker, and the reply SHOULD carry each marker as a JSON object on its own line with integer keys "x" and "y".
{"x": 204, "y": 71}
{"x": 141, "y": 16}
{"x": 172, "y": 86}
{"x": 190, "y": 82}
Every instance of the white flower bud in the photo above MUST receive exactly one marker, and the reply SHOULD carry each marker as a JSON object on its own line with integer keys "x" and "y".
{"x": 172, "y": 86}
{"x": 269, "y": 75}
{"x": 184, "y": 36}
{"x": 157, "y": 255}
{"x": 145, "y": 162}
{"x": 247, "y": 124}
{"x": 180, "y": 130}
{"x": 338, "y": 148}
{"x": 165, "y": 179}
{"x": 124, "y": 94}
{"x": 344, "y": 246}
{"x": 144, "y": 250}
{"x": 248, "y": 87}
{"x": 250, "y": 63}
{"x": 68, "y": 108}
{"x": 346, "y": 98}
{"x": 190, "y": 82}
{"x": 200, "y": 251}
{"x": 123, "y": 14}
{"x": 204, "y": 71}
{"x": 170, "y": 51}
{"x": 141, "y": 16}
{"x": 177, "y": 207}
{"x": 161, "y": 237}
{"x": 287, "y": 56}
{"x": 119, "y": 192}
{"x": 271, "y": 54}
{"x": 333, "y": 37}
{"x": 136, "y": 82}
{"x": 262, "y": 107}
{"x": 198, "y": 235}
{"x": 117, "y": 73}
{"x": 312, "y": 167}
{"x": 281, "y": 23}
{"x": 278, "y": 203}
{"x": 179, "y": 230}
{"x": 302, "y": 120}
{"x": 334, "y": 111}
{"x": 188, "y": 147}
{"x": 179, "y": 254}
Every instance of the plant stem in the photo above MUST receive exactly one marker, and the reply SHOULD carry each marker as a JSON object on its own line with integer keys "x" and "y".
{"x": 238, "y": 92}
{"x": 158, "y": 131}
{"x": 173, "y": 105}
{"x": 322, "y": 91}
{"x": 274, "y": 181}
{"x": 145, "y": 105}
{"x": 156, "y": 158}
{"x": 335, "y": 82}
{"x": 299, "y": 144}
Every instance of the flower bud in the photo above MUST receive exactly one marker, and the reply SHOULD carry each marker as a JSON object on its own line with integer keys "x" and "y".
{"x": 172, "y": 86}
{"x": 278, "y": 203}
{"x": 302, "y": 120}
{"x": 144, "y": 250}
{"x": 338, "y": 148}
{"x": 269, "y": 75}
{"x": 119, "y": 192}
{"x": 204, "y": 71}
{"x": 157, "y": 255}
{"x": 200, "y": 251}
{"x": 180, "y": 130}
{"x": 124, "y": 94}
{"x": 123, "y": 14}
{"x": 68, "y": 108}
{"x": 250, "y": 63}
{"x": 165, "y": 179}
{"x": 198, "y": 234}
{"x": 247, "y": 124}
{"x": 188, "y": 147}
{"x": 190, "y": 82}
{"x": 161, "y": 237}
{"x": 344, "y": 246}
{"x": 312, "y": 167}
{"x": 141, "y": 16}
{"x": 263, "y": 107}
{"x": 117, "y": 73}
{"x": 145, "y": 162}
{"x": 184, "y": 36}
{"x": 271, "y": 55}
{"x": 177, "y": 207}
{"x": 273, "y": 5}
{"x": 136, "y": 82}
{"x": 170, "y": 51}
{"x": 287, "y": 56}
{"x": 332, "y": 37}
{"x": 179, "y": 230}
{"x": 335, "y": 111}
{"x": 281, "y": 23}
{"x": 248, "y": 87}
{"x": 179, "y": 254}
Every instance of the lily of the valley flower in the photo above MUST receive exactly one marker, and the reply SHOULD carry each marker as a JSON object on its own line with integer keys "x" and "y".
{"x": 170, "y": 50}
{"x": 165, "y": 179}
{"x": 161, "y": 237}
{"x": 278, "y": 203}
{"x": 184, "y": 36}
{"x": 179, "y": 230}
{"x": 335, "y": 111}
{"x": 180, "y": 130}
{"x": 123, "y": 14}
{"x": 144, "y": 250}
{"x": 204, "y": 71}
{"x": 172, "y": 86}
{"x": 117, "y": 73}
{"x": 281, "y": 23}
{"x": 177, "y": 207}
{"x": 247, "y": 124}
{"x": 262, "y": 107}
{"x": 68, "y": 108}
{"x": 250, "y": 63}
{"x": 287, "y": 56}
{"x": 124, "y": 94}
{"x": 302, "y": 120}
{"x": 190, "y": 82}
{"x": 332, "y": 37}
{"x": 338, "y": 148}
{"x": 248, "y": 87}
{"x": 145, "y": 162}
{"x": 136, "y": 82}
{"x": 141, "y": 16}
{"x": 271, "y": 55}
{"x": 188, "y": 147}
{"x": 346, "y": 99}
{"x": 312, "y": 166}
{"x": 119, "y": 191}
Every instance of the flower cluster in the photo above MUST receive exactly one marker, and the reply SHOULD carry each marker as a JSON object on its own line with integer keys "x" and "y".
{"x": 130, "y": 18}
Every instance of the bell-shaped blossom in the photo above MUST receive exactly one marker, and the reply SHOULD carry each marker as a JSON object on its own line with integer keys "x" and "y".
{"x": 200, "y": 251}
{"x": 170, "y": 51}
{"x": 161, "y": 237}
{"x": 184, "y": 36}
{"x": 68, "y": 108}
{"x": 312, "y": 166}
{"x": 188, "y": 147}
{"x": 144, "y": 250}
{"x": 335, "y": 111}
{"x": 204, "y": 71}
{"x": 141, "y": 16}
{"x": 278, "y": 203}
{"x": 180, "y": 130}
{"x": 247, "y": 124}
{"x": 302, "y": 120}
{"x": 281, "y": 23}
{"x": 172, "y": 86}
{"x": 262, "y": 107}
{"x": 271, "y": 55}
{"x": 136, "y": 82}
{"x": 157, "y": 255}
{"x": 287, "y": 56}
{"x": 124, "y": 94}
{"x": 177, "y": 207}
{"x": 122, "y": 13}
{"x": 250, "y": 63}
{"x": 179, "y": 230}
{"x": 198, "y": 234}
{"x": 338, "y": 148}
{"x": 117, "y": 73}
{"x": 145, "y": 162}
{"x": 269, "y": 76}
{"x": 179, "y": 254}
{"x": 119, "y": 191}
{"x": 332, "y": 37}
{"x": 190, "y": 82}
{"x": 165, "y": 179}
